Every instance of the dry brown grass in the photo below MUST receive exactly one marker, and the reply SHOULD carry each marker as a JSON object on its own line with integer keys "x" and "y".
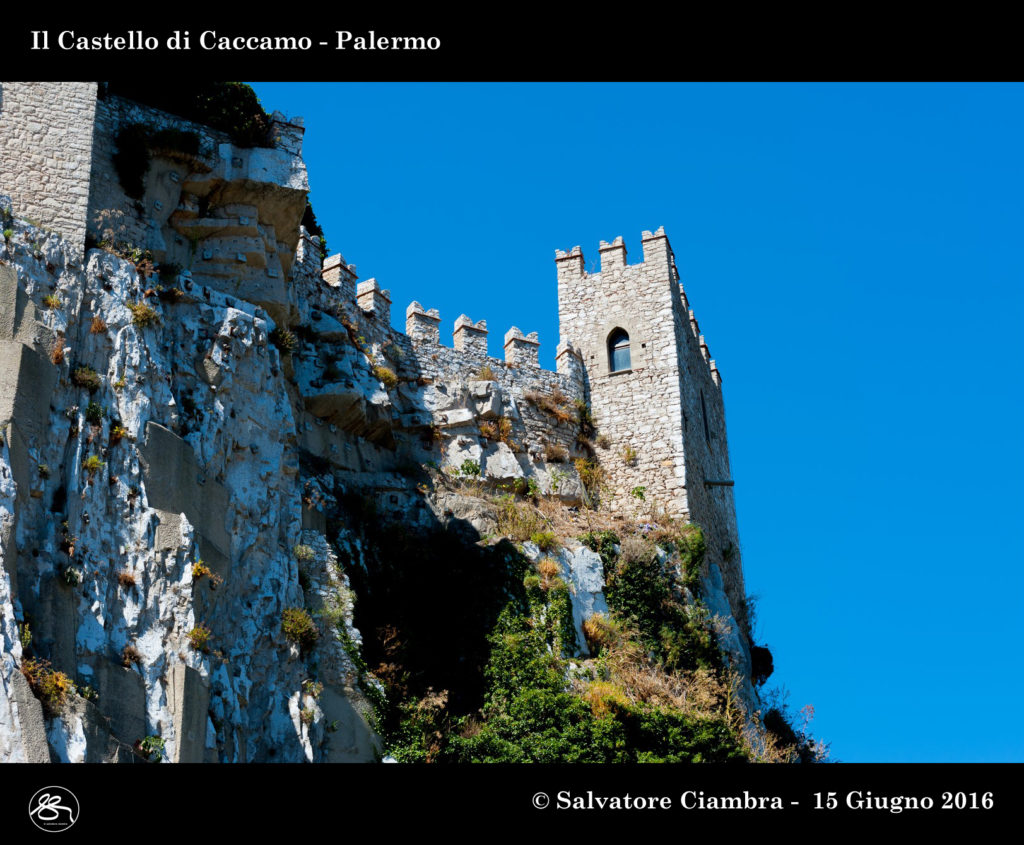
{"x": 57, "y": 353}
{"x": 98, "y": 325}
{"x": 126, "y": 579}
{"x": 131, "y": 655}
{"x": 554, "y": 453}
{"x": 554, "y": 404}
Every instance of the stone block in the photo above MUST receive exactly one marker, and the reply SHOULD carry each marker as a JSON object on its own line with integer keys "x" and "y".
{"x": 189, "y": 701}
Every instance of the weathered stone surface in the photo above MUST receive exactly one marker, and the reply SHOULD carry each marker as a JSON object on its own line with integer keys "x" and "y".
{"x": 488, "y": 399}
{"x": 122, "y": 699}
{"x": 584, "y": 573}
{"x": 189, "y": 700}
{"x": 31, "y": 726}
{"x": 500, "y": 464}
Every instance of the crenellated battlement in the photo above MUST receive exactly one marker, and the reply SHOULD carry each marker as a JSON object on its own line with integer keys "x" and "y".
{"x": 520, "y": 349}
{"x": 469, "y": 336}
{"x": 373, "y": 300}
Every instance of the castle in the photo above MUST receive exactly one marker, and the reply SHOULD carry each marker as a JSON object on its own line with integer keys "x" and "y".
{"x": 635, "y": 391}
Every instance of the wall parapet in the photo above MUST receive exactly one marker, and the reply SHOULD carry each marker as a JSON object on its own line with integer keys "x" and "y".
{"x": 469, "y": 336}
{"x": 520, "y": 349}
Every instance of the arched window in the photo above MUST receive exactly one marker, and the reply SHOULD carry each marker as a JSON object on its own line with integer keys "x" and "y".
{"x": 618, "y": 350}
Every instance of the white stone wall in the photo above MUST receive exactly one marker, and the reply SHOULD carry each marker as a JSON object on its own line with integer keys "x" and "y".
{"x": 652, "y": 414}
{"x": 639, "y": 409}
{"x": 46, "y": 137}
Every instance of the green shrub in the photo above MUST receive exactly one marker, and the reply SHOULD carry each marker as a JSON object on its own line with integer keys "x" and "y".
{"x": 94, "y": 413}
{"x": 602, "y": 542}
{"x": 92, "y": 465}
{"x": 469, "y": 469}
{"x": 231, "y": 107}
{"x": 545, "y": 540}
{"x": 199, "y": 637}
{"x": 303, "y": 553}
{"x": 299, "y": 628}
{"x": 86, "y": 377}
{"x": 152, "y": 748}
{"x": 51, "y": 300}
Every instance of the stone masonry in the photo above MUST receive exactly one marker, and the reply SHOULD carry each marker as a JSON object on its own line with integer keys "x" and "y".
{"x": 46, "y": 153}
{"x": 663, "y": 415}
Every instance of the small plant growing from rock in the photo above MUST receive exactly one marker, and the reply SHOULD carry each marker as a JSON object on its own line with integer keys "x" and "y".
{"x": 152, "y": 748}
{"x": 119, "y": 385}
{"x": 86, "y": 377}
{"x": 629, "y": 455}
{"x": 307, "y": 716}
{"x": 126, "y": 579}
{"x": 44, "y": 471}
{"x": 89, "y": 694}
{"x": 299, "y": 628}
{"x": 131, "y": 655}
{"x": 313, "y": 688}
{"x": 199, "y": 638}
{"x": 284, "y": 340}
{"x": 303, "y": 553}
{"x": 51, "y": 301}
{"x": 549, "y": 572}
{"x": 97, "y": 326}
{"x": 72, "y": 576}
{"x": 25, "y": 635}
{"x": 544, "y": 540}
{"x": 201, "y": 570}
{"x": 92, "y": 465}
{"x": 8, "y": 234}
{"x": 94, "y": 413}
{"x": 117, "y": 434}
{"x": 602, "y": 441}
{"x": 48, "y": 685}
{"x": 638, "y": 492}
{"x": 143, "y": 314}
{"x": 553, "y": 453}
{"x": 592, "y": 477}
{"x": 385, "y": 376}
{"x": 57, "y": 354}
{"x": 485, "y": 373}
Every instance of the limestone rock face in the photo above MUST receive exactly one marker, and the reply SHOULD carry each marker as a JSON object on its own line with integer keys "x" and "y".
{"x": 584, "y": 573}
{"x": 150, "y": 503}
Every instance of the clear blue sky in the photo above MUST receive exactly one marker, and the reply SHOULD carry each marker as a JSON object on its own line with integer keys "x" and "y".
{"x": 853, "y": 254}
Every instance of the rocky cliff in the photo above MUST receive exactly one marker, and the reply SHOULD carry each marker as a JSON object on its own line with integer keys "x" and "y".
{"x": 244, "y": 519}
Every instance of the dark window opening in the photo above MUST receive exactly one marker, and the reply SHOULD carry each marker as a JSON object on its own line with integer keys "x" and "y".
{"x": 618, "y": 350}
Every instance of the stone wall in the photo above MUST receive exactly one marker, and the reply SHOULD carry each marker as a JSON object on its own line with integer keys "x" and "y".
{"x": 663, "y": 416}
{"x": 46, "y": 139}
{"x": 638, "y": 410}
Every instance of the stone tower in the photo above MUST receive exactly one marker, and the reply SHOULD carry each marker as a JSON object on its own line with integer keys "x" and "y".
{"x": 654, "y": 391}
